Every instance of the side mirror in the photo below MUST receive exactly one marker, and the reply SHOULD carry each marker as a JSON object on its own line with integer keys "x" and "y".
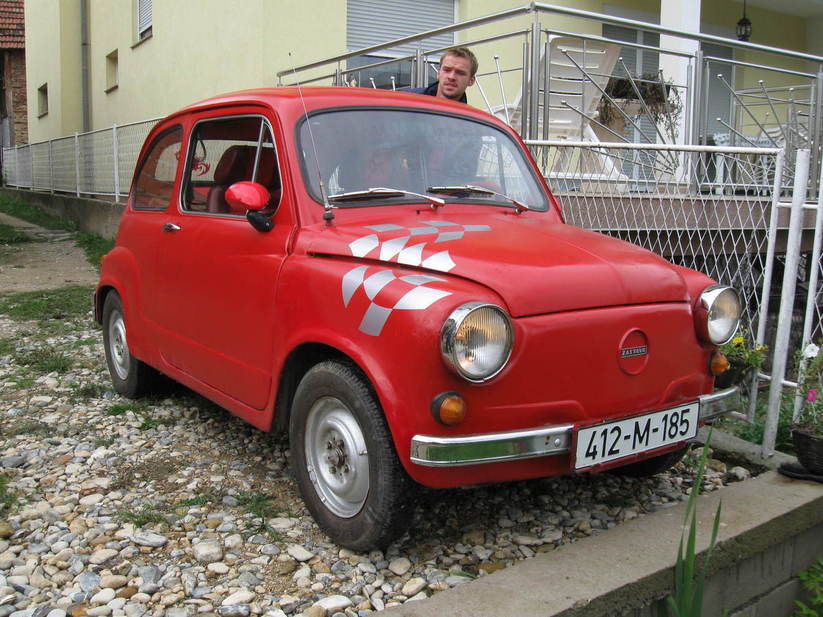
{"x": 252, "y": 197}
{"x": 247, "y": 196}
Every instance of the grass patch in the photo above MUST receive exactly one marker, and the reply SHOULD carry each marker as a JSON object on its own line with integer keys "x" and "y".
{"x": 7, "y": 346}
{"x": 34, "y": 214}
{"x": 8, "y": 499}
{"x": 148, "y": 423}
{"x": 103, "y": 442}
{"x": 94, "y": 246}
{"x": 62, "y": 303}
{"x": 88, "y": 390}
{"x": 26, "y": 426}
{"x": 47, "y": 304}
{"x": 200, "y": 500}
{"x": 147, "y": 515}
{"x": 118, "y": 409}
{"x": 261, "y": 507}
{"x": 21, "y": 382}
{"x": 45, "y": 360}
{"x": 12, "y": 235}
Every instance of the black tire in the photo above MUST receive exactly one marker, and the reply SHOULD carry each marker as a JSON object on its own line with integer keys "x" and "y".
{"x": 131, "y": 377}
{"x": 343, "y": 458}
{"x": 651, "y": 466}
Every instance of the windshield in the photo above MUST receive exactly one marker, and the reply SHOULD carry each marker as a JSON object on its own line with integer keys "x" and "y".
{"x": 414, "y": 152}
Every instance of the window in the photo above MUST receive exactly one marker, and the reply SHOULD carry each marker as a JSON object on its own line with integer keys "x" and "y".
{"x": 371, "y": 22}
{"x": 154, "y": 185}
{"x": 143, "y": 8}
{"x": 225, "y": 151}
{"x": 42, "y": 100}
{"x": 111, "y": 71}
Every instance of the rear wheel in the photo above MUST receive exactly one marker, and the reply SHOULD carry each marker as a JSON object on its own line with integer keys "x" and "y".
{"x": 344, "y": 461}
{"x": 651, "y": 466}
{"x": 131, "y": 377}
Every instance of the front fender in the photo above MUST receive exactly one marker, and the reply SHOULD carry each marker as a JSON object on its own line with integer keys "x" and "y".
{"x": 387, "y": 319}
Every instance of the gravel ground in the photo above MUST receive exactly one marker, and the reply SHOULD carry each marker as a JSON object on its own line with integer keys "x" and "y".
{"x": 174, "y": 508}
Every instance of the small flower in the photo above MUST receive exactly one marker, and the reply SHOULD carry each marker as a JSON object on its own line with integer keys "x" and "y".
{"x": 738, "y": 341}
{"x": 811, "y": 350}
{"x": 812, "y": 395}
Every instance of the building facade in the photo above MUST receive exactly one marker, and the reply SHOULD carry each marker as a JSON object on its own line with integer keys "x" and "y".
{"x": 96, "y": 63}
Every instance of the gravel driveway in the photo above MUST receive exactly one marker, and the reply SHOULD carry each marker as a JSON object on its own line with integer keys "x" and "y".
{"x": 172, "y": 507}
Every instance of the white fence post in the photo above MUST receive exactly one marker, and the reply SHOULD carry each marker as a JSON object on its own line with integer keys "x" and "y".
{"x": 784, "y": 320}
{"x": 116, "y": 164}
{"x": 77, "y": 164}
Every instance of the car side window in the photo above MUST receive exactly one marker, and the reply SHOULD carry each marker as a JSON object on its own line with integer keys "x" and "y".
{"x": 154, "y": 185}
{"x": 228, "y": 150}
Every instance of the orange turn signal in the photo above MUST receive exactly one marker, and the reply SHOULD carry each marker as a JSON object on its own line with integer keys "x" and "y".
{"x": 449, "y": 408}
{"x": 719, "y": 363}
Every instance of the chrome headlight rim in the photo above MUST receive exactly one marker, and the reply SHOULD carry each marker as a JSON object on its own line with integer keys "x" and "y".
{"x": 708, "y": 299}
{"x": 452, "y": 325}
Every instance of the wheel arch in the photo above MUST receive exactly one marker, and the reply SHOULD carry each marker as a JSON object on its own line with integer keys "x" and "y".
{"x": 301, "y": 359}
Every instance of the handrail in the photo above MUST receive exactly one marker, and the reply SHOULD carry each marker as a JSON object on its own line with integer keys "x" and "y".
{"x": 477, "y": 21}
{"x": 697, "y": 36}
{"x": 604, "y": 145}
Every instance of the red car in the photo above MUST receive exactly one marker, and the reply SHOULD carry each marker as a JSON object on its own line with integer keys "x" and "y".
{"x": 388, "y": 277}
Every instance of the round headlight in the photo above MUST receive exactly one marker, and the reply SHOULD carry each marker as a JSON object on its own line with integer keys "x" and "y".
{"x": 476, "y": 341}
{"x": 719, "y": 314}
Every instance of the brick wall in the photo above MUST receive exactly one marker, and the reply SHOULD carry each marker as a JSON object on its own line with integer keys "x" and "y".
{"x": 14, "y": 80}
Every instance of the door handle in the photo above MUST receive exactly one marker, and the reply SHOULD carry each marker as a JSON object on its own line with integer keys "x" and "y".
{"x": 171, "y": 227}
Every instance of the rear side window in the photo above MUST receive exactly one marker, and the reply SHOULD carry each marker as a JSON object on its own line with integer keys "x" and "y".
{"x": 228, "y": 150}
{"x": 154, "y": 185}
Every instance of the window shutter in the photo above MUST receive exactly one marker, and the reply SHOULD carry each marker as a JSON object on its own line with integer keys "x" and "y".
{"x": 143, "y": 16}
{"x": 371, "y": 22}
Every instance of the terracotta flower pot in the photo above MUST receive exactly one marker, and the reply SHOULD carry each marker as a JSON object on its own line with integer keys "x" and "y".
{"x": 809, "y": 448}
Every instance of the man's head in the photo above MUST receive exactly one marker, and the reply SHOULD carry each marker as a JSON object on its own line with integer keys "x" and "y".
{"x": 456, "y": 73}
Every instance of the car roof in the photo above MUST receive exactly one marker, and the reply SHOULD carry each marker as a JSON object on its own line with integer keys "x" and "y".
{"x": 293, "y": 99}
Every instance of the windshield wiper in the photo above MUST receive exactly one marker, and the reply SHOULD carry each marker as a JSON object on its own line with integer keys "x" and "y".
{"x": 376, "y": 192}
{"x": 464, "y": 190}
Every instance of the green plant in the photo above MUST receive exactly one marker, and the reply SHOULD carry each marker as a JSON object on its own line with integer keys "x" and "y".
{"x": 62, "y": 303}
{"x": 33, "y": 214}
{"x": 103, "y": 442}
{"x": 261, "y": 507}
{"x": 95, "y": 247}
{"x": 148, "y": 423}
{"x": 200, "y": 500}
{"x": 812, "y": 581}
{"x": 811, "y": 387}
{"x": 88, "y": 390}
{"x": 148, "y": 514}
{"x": 740, "y": 353}
{"x": 689, "y": 580}
{"x": 118, "y": 409}
{"x": 7, "y": 497}
{"x": 7, "y": 345}
{"x": 45, "y": 360}
{"x": 753, "y": 431}
{"x": 12, "y": 235}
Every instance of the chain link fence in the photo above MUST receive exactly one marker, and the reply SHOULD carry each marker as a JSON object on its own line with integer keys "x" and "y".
{"x": 668, "y": 200}
{"x": 98, "y": 163}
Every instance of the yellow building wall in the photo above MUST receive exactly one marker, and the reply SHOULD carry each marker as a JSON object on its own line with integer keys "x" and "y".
{"x": 53, "y": 58}
{"x": 196, "y": 50}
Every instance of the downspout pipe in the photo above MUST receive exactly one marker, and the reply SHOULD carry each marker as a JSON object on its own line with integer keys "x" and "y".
{"x": 84, "y": 64}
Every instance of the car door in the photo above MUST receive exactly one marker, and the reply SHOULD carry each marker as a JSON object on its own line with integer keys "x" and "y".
{"x": 219, "y": 274}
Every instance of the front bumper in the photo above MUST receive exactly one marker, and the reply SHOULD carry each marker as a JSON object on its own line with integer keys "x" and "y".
{"x": 435, "y": 451}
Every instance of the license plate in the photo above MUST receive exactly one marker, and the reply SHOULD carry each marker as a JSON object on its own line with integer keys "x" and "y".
{"x": 614, "y": 440}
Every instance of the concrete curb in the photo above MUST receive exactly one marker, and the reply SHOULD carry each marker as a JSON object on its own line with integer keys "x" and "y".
{"x": 630, "y": 567}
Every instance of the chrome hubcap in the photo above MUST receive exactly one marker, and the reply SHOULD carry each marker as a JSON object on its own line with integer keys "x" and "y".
{"x": 118, "y": 345}
{"x": 336, "y": 456}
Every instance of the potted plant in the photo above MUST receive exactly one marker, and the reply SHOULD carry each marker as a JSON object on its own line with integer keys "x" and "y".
{"x": 744, "y": 359}
{"x": 807, "y": 431}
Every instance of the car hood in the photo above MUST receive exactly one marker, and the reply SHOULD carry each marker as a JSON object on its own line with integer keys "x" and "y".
{"x": 535, "y": 265}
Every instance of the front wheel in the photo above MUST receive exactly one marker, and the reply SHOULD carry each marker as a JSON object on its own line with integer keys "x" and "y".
{"x": 344, "y": 461}
{"x": 131, "y": 377}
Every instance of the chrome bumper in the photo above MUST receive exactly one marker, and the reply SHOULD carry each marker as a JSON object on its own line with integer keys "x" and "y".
{"x": 435, "y": 451}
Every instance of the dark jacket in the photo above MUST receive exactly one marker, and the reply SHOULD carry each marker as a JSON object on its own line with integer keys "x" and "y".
{"x": 432, "y": 91}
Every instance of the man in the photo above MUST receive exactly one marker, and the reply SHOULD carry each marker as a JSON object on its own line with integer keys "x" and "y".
{"x": 458, "y": 67}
